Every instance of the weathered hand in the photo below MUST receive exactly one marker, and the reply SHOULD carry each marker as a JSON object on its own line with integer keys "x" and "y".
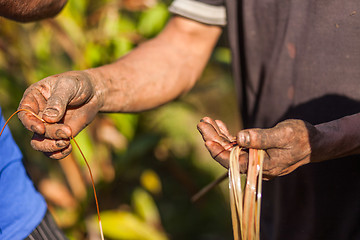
{"x": 67, "y": 102}
{"x": 287, "y": 145}
{"x": 217, "y": 139}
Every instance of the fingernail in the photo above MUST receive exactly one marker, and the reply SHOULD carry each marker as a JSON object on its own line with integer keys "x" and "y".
{"x": 60, "y": 143}
{"x": 51, "y": 112}
{"x": 61, "y": 134}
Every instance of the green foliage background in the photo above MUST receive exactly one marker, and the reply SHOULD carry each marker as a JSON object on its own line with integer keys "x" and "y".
{"x": 146, "y": 166}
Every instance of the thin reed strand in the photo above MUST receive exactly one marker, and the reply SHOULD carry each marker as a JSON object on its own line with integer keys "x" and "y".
{"x": 245, "y": 201}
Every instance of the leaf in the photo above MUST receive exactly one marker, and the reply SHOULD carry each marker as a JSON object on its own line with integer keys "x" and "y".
{"x": 151, "y": 181}
{"x": 84, "y": 140}
{"x": 125, "y": 123}
{"x": 125, "y": 225}
{"x": 145, "y": 207}
{"x": 153, "y": 20}
{"x": 222, "y": 55}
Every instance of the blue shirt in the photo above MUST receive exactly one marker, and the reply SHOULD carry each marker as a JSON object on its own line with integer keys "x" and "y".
{"x": 21, "y": 207}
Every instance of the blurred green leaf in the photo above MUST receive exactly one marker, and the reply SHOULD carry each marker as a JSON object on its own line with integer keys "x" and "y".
{"x": 127, "y": 226}
{"x": 222, "y": 55}
{"x": 151, "y": 181}
{"x": 153, "y": 20}
{"x": 84, "y": 141}
{"x": 93, "y": 54}
{"x": 126, "y": 25}
{"x": 122, "y": 46}
{"x": 178, "y": 125}
{"x": 125, "y": 123}
{"x": 145, "y": 207}
{"x": 75, "y": 10}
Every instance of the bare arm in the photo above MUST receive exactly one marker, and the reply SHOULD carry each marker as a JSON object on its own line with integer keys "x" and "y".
{"x": 154, "y": 73}
{"x": 158, "y": 70}
{"x": 30, "y": 10}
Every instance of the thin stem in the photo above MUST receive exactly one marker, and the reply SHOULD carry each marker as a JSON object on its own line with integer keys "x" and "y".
{"x": 93, "y": 184}
{"x": 208, "y": 187}
{"x": 212, "y": 184}
{"x": 19, "y": 110}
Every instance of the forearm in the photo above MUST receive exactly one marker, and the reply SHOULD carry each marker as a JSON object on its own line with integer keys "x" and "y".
{"x": 159, "y": 70}
{"x": 338, "y": 138}
{"x": 30, "y": 10}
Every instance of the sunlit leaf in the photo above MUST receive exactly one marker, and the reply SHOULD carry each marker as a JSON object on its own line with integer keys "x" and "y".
{"x": 151, "y": 181}
{"x": 84, "y": 140}
{"x": 75, "y": 10}
{"x": 127, "y": 226}
{"x": 122, "y": 46}
{"x": 125, "y": 123}
{"x": 126, "y": 25}
{"x": 222, "y": 55}
{"x": 153, "y": 20}
{"x": 93, "y": 54}
{"x": 145, "y": 207}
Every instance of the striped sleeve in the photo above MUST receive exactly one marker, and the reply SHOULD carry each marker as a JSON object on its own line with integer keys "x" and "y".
{"x": 208, "y": 12}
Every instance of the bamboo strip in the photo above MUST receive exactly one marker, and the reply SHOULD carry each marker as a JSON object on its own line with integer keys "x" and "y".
{"x": 259, "y": 189}
{"x": 245, "y": 204}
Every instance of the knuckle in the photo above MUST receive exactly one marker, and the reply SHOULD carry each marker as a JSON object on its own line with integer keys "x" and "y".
{"x": 272, "y": 172}
{"x": 61, "y": 143}
{"x": 289, "y": 131}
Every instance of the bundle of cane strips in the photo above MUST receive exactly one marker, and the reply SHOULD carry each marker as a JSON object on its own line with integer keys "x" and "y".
{"x": 245, "y": 199}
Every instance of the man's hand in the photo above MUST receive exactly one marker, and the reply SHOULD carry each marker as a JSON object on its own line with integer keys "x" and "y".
{"x": 287, "y": 145}
{"x": 67, "y": 103}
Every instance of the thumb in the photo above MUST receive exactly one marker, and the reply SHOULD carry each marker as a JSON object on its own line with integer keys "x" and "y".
{"x": 260, "y": 138}
{"x": 61, "y": 94}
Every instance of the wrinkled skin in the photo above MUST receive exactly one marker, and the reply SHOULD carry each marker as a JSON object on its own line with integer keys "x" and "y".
{"x": 154, "y": 73}
{"x": 67, "y": 103}
{"x": 287, "y": 145}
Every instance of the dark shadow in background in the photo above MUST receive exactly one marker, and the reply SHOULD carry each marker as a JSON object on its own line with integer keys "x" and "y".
{"x": 324, "y": 109}
{"x": 316, "y": 196}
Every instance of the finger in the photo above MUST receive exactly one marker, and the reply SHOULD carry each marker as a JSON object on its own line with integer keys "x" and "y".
{"x": 263, "y": 138}
{"x": 63, "y": 91}
{"x": 32, "y": 101}
{"x": 79, "y": 118}
{"x": 224, "y": 130}
{"x": 31, "y": 122}
{"x": 209, "y": 133}
{"x": 211, "y": 122}
{"x": 57, "y": 155}
{"x": 42, "y": 144}
{"x": 218, "y": 153}
{"x": 57, "y": 131}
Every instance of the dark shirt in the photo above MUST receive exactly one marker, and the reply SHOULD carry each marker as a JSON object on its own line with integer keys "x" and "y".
{"x": 301, "y": 59}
